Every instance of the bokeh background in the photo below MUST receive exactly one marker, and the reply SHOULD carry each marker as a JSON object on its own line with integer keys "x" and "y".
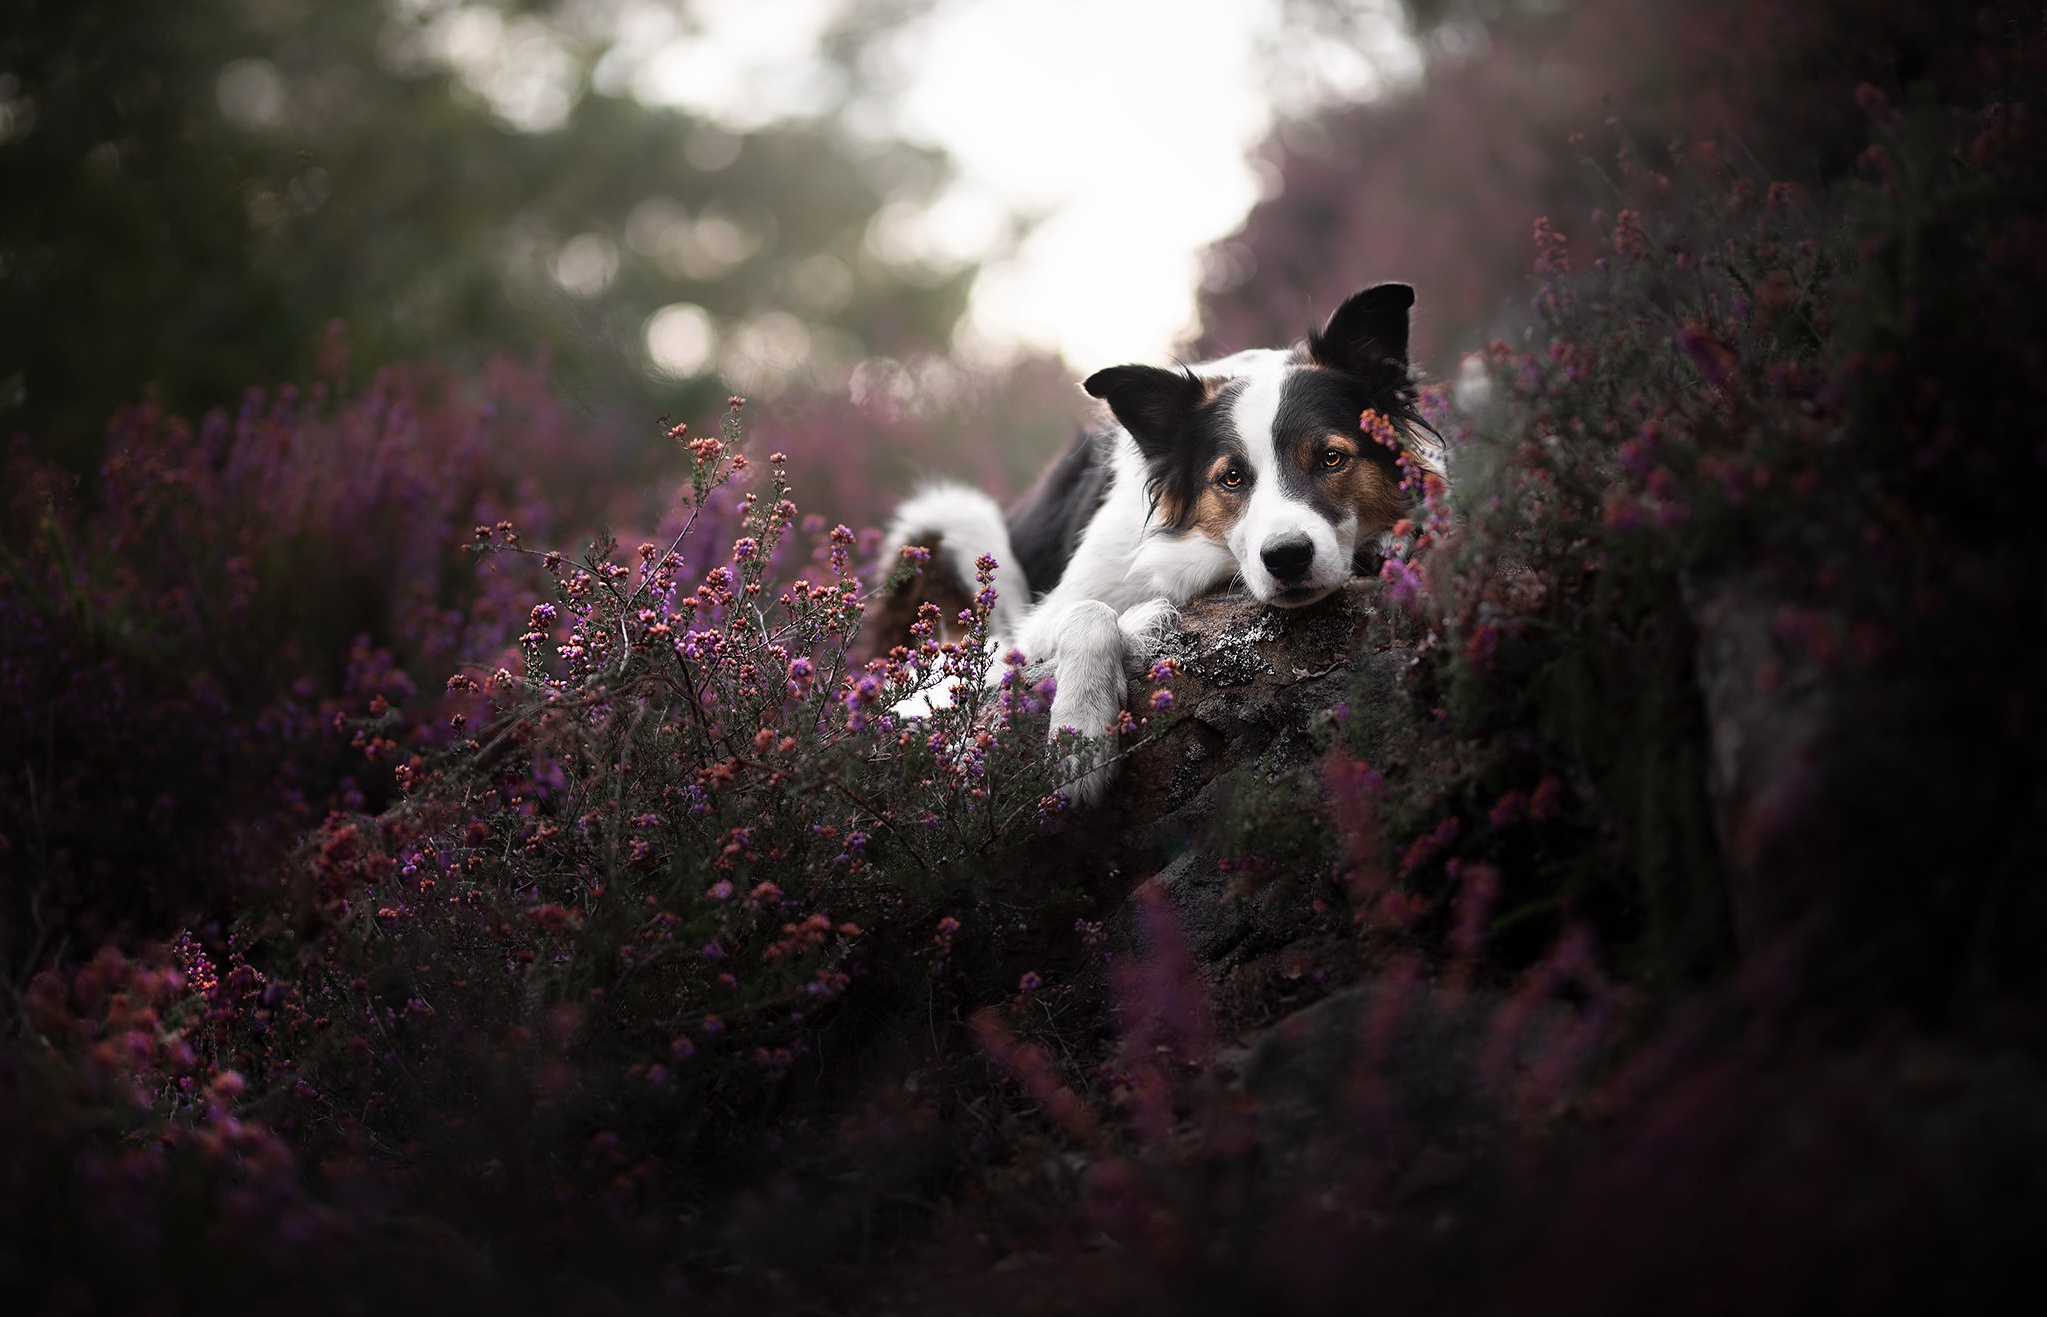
{"x": 900, "y": 227}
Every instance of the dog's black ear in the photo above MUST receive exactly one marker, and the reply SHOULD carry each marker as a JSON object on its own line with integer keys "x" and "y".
{"x": 1367, "y": 336}
{"x": 1152, "y": 404}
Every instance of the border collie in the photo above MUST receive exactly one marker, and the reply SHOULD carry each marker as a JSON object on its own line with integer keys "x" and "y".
{"x": 1261, "y": 467}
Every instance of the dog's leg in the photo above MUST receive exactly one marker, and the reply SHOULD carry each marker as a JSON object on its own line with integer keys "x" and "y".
{"x": 1089, "y": 668}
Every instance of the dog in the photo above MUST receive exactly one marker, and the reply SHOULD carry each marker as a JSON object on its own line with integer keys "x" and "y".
{"x": 1265, "y": 467}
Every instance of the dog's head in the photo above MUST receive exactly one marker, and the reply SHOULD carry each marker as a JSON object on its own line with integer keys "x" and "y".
{"x": 1264, "y": 451}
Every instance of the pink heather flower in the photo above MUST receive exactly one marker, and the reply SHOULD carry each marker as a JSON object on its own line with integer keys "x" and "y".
{"x": 1030, "y": 982}
{"x": 1164, "y": 670}
{"x": 1715, "y": 360}
{"x": 1482, "y": 646}
{"x": 1479, "y": 887}
{"x": 1872, "y": 102}
{"x": 719, "y": 891}
{"x": 1622, "y": 512}
{"x": 1428, "y": 846}
{"x": 1403, "y": 584}
{"x": 1548, "y": 798}
{"x": 1380, "y": 429}
{"x": 1161, "y": 701}
{"x": 1509, "y": 808}
{"x": 1628, "y": 238}
{"x": 1552, "y": 249}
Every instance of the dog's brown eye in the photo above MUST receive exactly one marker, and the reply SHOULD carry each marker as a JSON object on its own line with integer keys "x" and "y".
{"x": 1334, "y": 458}
{"x": 1231, "y": 478}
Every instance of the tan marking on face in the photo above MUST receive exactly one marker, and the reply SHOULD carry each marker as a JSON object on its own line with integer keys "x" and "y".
{"x": 1370, "y": 490}
{"x": 1217, "y": 509}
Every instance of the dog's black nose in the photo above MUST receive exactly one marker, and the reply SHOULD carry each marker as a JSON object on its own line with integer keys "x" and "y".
{"x": 1288, "y": 559}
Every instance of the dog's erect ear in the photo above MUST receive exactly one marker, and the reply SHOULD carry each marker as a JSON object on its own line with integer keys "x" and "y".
{"x": 1368, "y": 334}
{"x": 1152, "y": 404}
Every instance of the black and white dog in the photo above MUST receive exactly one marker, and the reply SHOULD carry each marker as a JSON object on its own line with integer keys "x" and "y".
{"x": 1255, "y": 467}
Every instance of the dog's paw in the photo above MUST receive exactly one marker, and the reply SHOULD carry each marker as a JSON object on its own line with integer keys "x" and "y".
{"x": 1085, "y": 774}
{"x": 1146, "y": 625}
{"x": 1091, "y": 690}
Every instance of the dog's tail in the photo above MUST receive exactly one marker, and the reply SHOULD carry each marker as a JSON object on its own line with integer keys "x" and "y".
{"x": 958, "y": 524}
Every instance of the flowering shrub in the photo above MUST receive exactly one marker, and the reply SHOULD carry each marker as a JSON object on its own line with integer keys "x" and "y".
{"x": 680, "y": 832}
{"x": 630, "y": 942}
{"x": 1809, "y": 405}
{"x": 1730, "y": 404}
{"x": 183, "y": 635}
{"x": 634, "y": 883}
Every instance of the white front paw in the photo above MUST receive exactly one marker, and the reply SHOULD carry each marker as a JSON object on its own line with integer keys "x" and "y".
{"x": 1085, "y": 772}
{"x": 1085, "y": 775}
{"x": 1090, "y": 695}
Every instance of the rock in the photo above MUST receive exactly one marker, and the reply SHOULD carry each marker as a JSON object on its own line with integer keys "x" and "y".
{"x": 1198, "y": 893}
{"x": 1255, "y": 682}
{"x": 1256, "y": 687}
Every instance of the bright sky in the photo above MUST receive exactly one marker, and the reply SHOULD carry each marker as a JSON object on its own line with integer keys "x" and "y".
{"x": 1125, "y": 127}
{"x": 1126, "y": 124}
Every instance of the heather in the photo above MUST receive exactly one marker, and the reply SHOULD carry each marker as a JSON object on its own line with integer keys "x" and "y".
{"x": 431, "y": 876}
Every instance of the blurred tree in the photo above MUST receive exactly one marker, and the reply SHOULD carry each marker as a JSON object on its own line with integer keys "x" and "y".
{"x": 190, "y": 193}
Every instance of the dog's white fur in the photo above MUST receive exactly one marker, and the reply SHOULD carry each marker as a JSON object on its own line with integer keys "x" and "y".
{"x": 965, "y": 524}
{"x": 1128, "y": 574}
